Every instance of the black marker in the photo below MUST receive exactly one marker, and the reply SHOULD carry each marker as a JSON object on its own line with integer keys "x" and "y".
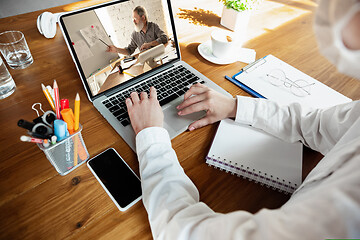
{"x": 104, "y": 42}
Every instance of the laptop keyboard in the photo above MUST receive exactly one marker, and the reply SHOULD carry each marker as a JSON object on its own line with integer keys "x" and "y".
{"x": 169, "y": 85}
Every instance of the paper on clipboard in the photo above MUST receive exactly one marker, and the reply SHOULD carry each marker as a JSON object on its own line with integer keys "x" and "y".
{"x": 278, "y": 81}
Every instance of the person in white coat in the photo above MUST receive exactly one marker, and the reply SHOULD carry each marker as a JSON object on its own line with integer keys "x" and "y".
{"x": 326, "y": 205}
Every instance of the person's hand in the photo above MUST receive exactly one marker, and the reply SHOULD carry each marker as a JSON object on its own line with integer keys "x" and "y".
{"x": 199, "y": 98}
{"x": 145, "y": 46}
{"x": 112, "y": 49}
{"x": 145, "y": 111}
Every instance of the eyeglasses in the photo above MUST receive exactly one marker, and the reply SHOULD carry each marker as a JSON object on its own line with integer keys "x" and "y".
{"x": 299, "y": 87}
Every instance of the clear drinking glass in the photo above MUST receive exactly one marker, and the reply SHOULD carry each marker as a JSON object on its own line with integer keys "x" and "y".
{"x": 7, "y": 84}
{"x": 15, "y": 50}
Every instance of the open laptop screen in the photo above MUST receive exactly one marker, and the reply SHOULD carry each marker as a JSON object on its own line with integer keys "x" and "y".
{"x": 89, "y": 32}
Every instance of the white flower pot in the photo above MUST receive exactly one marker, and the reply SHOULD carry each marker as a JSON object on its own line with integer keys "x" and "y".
{"x": 236, "y": 21}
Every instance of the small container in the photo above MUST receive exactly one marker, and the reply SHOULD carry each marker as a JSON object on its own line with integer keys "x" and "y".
{"x": 68, "y": 154}
{"x": 7, "y": 84}
{"x": 15, "y": 50}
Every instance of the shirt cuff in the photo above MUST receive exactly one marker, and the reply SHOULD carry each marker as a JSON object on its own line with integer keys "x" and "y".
{"x": 151, "y": 135}
{"x": 245, "y": 109}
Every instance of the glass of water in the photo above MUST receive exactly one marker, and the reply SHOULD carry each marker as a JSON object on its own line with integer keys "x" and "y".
{"x": 7, "y": 84}
{"x": 15, "y": 50}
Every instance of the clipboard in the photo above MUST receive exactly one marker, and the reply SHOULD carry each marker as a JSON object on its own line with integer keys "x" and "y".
{"x": 242, "y": 85}
{"x": 271, "y": 78}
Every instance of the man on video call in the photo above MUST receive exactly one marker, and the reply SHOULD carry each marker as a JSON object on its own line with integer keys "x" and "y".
{"x": 146, "y": 35}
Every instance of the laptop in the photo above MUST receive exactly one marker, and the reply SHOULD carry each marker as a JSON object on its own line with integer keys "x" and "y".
{"x": 109, "y": 78}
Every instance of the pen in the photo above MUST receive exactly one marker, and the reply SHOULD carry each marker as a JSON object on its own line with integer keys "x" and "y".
{"x": 48, "y": 96}
{"x": 56, "y": 95}
{"x": 244, "y": 87}
{"x": 24, "y": 138}
{"x": 104, "y": 42}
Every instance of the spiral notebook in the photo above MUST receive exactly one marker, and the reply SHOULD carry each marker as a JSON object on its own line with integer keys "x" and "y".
{"x": 255, "y": 155}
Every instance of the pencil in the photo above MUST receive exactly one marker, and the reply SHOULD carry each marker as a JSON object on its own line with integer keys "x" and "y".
{"x": 77, "y": 112}
{"x": 104, "y": 42}
{"x": 76, "y": 127}
{"x": 51, "y": 91}
{"x": 48, "y": 96}
{"x": 129, "y": 74}
{"x": 57, "y": 103}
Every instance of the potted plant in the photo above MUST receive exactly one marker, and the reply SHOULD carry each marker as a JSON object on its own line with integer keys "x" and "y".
{"x": 236, "y": 14}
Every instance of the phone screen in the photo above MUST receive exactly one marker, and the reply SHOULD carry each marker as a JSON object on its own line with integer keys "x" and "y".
{"x": 117, "y": 178}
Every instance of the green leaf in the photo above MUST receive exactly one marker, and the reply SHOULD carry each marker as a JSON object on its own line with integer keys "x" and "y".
{"x": 241, "y": 5}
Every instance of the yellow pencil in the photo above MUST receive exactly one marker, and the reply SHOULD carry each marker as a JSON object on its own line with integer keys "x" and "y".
{"x": 129, "y": 74}
{"x": 77, "y": 112}
{"x": 48, "y": 96}
{"x": 76, "y": 127}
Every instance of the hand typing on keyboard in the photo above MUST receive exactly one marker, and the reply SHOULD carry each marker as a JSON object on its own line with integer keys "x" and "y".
{"x": 145, "y": 111}
{"x": 201, "y": 98}
{"x": 170, "y": 85}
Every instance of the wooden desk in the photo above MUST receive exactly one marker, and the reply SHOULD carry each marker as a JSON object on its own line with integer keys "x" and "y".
{"x": 37, "y": 203}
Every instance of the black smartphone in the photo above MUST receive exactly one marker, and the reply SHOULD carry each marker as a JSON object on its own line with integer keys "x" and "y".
{"x": 117, "y": 178}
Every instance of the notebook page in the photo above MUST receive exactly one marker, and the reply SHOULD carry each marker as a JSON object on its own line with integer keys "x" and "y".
{"x": 246, "y": 147}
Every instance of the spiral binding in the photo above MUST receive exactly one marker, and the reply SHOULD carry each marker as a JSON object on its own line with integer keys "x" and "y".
{"x": 262, "y": 178}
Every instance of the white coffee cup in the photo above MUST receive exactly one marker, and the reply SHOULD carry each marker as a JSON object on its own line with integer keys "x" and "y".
{"x": 223, "y": 43}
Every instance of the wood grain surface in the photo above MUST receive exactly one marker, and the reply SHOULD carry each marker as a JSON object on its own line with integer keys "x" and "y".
{"x": 37, "y": 203}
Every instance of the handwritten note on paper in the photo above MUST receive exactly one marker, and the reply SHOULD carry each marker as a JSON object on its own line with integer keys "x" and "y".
{"x": 82, "y": 50}
{"x": 93, "y": 33}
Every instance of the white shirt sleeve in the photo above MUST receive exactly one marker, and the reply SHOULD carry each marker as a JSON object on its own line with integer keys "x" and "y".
{"x": 172, "y": 200}
{"x": 318, "y": 129}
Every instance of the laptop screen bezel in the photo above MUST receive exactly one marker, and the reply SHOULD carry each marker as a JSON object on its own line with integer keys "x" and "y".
{"x": 129, "y": 82}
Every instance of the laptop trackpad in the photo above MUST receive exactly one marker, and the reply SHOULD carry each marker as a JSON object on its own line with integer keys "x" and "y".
{"x": 176, "y": 124}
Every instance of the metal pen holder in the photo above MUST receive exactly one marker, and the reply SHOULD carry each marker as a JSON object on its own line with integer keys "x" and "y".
{"x": 68, "y": 154}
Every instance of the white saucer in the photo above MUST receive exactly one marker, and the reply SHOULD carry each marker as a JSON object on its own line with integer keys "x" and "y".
{"x": 206, "y": 52}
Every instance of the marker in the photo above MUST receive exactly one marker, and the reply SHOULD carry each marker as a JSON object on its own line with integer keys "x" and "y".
{"x": 64, "y": 104}
{"x": 53, "y": 139}
{"x": 60, "y": 129}
{"x": 68, "y": 117}
{"x": 46, "y": 143}
{"x": 26, "y": 124}
{"x": 24, "y": 138}
{"x": 57, "y": 103}
{"x": 48, "y": 96}
{"x": 104, "y": 42}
